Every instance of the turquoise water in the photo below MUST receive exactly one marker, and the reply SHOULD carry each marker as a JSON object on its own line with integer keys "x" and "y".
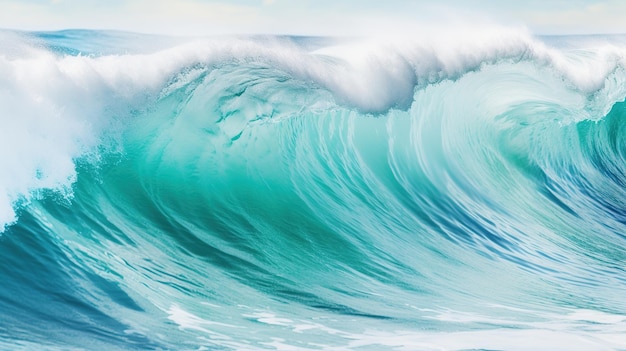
{"x": 290, "y": 193}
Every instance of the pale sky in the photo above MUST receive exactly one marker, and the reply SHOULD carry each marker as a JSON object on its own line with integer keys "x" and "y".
{"x": 311, "y": 17}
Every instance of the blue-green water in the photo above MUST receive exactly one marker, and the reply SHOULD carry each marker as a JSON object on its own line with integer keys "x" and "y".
{"x": 287, "y": 193}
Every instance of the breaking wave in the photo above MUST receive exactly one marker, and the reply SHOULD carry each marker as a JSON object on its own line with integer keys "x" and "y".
{"x": 447, "y": 192}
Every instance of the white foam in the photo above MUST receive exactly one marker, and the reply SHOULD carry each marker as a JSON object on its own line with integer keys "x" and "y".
{"x": 495, "y": 339}
{"x": 189, "y": 321}
{"x": 574, "y": 330}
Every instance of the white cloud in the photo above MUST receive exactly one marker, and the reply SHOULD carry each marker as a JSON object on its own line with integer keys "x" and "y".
{"x": 598, "y": 17}
{"x": 159, "y": 16}
{"x": 321, "y": 17}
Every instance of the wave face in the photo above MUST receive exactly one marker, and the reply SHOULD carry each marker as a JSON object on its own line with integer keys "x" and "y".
{"x": 312, "y": 193}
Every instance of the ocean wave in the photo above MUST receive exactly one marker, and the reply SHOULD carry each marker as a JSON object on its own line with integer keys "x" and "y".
{"x": 312, "y": 193}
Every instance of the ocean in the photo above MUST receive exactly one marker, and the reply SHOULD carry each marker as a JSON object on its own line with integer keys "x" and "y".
{"x": 464, "y": 190}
